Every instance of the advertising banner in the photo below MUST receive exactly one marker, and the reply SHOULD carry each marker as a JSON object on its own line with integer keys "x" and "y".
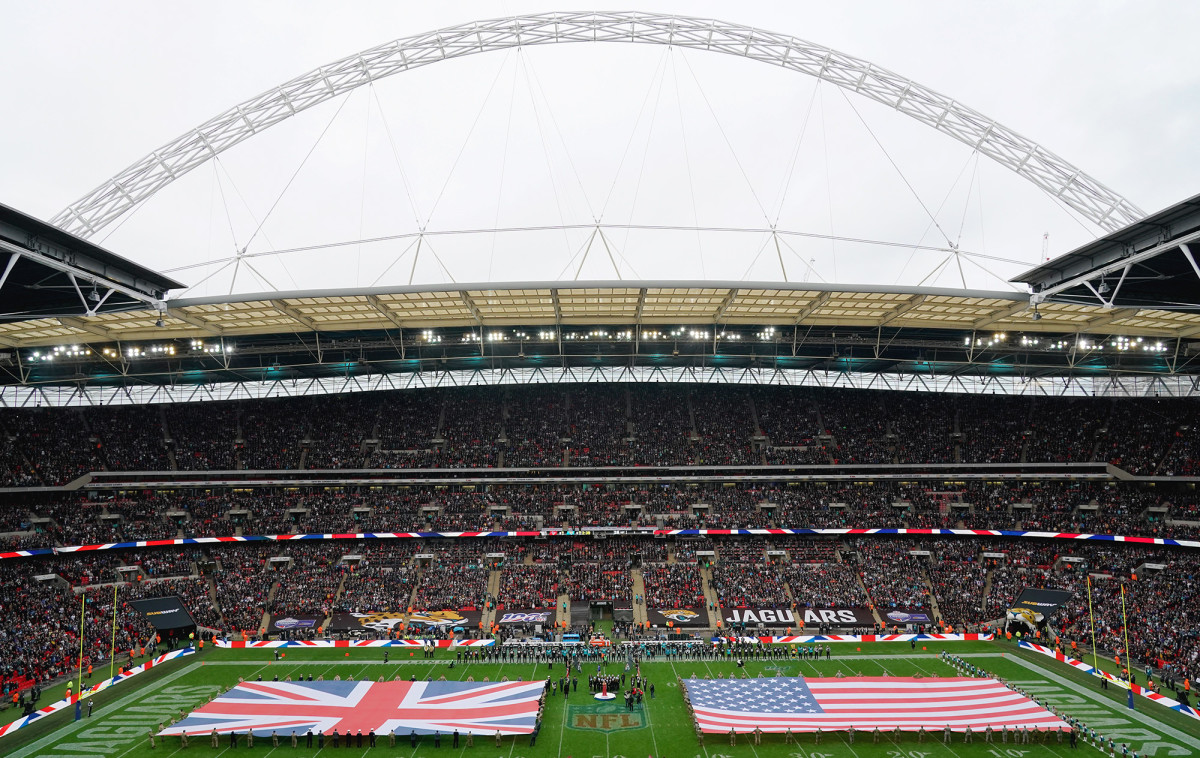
{"x": 859, "y": 616}
{"x": 903, "y": 616}
{"x": 388, "y": 621}
{"x": 543, "y": 616}
{"x": 164, "y": 612}
{"x": 291, "y": 623}
{"x": 1033, "y": 605}
{"x": 677, "y": 616}
{"x": 445, "y": 619}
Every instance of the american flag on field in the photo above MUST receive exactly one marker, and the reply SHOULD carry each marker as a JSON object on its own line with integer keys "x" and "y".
{"x": 864, "y": 703}
{"x": 399, "y": 707}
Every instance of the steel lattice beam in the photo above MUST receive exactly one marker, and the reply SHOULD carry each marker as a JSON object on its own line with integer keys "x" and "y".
{"x": 1054, "y": 175}
{"x": 22, "y": 396}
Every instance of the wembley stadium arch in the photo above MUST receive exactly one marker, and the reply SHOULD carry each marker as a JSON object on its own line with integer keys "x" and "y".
{"x": 1054, "y": 175}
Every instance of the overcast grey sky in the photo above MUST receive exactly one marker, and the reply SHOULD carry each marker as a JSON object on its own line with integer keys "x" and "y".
{"x": 566, "y": 134}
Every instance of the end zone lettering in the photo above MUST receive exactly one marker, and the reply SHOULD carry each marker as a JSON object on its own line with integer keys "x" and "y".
{"x": 603, "y": 718}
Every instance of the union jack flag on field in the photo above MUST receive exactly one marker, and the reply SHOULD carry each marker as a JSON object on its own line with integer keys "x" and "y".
{"x": 863, "y": 703}
{"x": 399, "y": 707}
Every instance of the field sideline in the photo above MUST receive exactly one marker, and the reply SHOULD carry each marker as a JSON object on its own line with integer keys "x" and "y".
{"x": 575, "y": 726}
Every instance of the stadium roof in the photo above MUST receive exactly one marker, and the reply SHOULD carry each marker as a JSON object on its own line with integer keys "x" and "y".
{"x": 134, "y": 342}
{"x": 613, "y": 303}
{"x": 47, "y": 272}
{"x": 690, "y": 327}
{"x": 1151, "y": 263}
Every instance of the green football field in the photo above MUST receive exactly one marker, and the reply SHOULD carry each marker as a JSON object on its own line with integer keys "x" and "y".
{"x": 579, "y": 726}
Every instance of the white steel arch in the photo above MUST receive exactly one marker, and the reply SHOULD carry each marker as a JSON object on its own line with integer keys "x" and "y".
{"x": 115, "y": 197}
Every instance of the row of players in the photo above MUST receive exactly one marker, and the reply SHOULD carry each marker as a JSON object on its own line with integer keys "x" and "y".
{"x": 955, "y": 583}
{"x": 1077, "y": 506}
{"x": 599, "y": 425}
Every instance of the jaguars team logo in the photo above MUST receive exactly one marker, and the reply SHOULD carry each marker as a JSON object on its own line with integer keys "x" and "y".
{"x": 680, "y": 615}
{"x": 437, "y": 618}
{"x": 384, "y": 622}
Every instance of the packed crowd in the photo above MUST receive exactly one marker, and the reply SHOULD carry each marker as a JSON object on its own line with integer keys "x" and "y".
{"x": 230, "y": 588}
{"x": 672, "y": 585}
{"x": 383, "y": 579}
{"x": 824, "y": 585}
{"x": 529, "y": 586}
{"x": 588, "y": 425}
{"x": 1114, "y": 507}
{"x": 893, "y": 576}
{"x": 747, "y": 583}
{"x": 309, "y": 581}
{"x": 453, "y": 585}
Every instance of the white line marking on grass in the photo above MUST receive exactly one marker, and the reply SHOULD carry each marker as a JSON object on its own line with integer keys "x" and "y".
{"x": 1078, "y": 689}
{"x": 113, "y": 707}
{"x": 843, "y": 738}
{"x": 563, "y": 731}
{"x": 699, "y": 739}
{"x": 646, "y": 707}
{"x": 951, "y": 742}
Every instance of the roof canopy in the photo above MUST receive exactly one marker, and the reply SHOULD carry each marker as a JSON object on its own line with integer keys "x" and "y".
{"x": 599, "y": 304}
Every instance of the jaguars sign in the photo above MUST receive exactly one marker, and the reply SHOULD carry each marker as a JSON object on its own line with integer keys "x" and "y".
{"x": 437, "y": 619}
{"x": 677, "y": 616}
{"x": 380, "y": 622}
{"x": 388, "y": 621}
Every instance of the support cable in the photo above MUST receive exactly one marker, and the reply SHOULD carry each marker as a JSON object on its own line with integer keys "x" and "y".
{"x": 558, "y": 133}
{"x": 637, "y": 189}
{"x": 408, "y": 191}
{"x": 299, "y": 168}
{"x": 945, "y": 199}
{"x": 654, "y": 79}
{"x": 787, "y": 181}
{"x": 395, "y": 261}
{"x": 725, "y": 136}
{"x": 557, "y": 227}
{"x": 967, "y": 203}
{"x": 687, "y": 159}
{"x": 512, "y": 95}
{"x": 527, "y": 69}
{"x": 467, "y": 139}
{"x": 800, "y": 258}
{"x": 828, "y": 183}
{"x": 362, "y": 195}
{"x": 894, "y": 165}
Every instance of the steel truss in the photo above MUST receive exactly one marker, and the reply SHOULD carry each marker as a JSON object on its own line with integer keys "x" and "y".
{"x": 1074, "y": 386}
{"x": 1054, "y": 175}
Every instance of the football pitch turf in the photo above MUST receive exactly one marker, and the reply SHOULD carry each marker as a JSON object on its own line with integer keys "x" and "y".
{"x": 577, "y": 726}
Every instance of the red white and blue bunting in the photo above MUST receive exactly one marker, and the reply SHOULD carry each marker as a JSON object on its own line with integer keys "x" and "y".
{"x": 633, "y": 531}
{"x": 804, "y": 639}
{"x": 353, "y": 643}
{"x": 1161, "y": 699}
{"x": 89, "y": 691}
